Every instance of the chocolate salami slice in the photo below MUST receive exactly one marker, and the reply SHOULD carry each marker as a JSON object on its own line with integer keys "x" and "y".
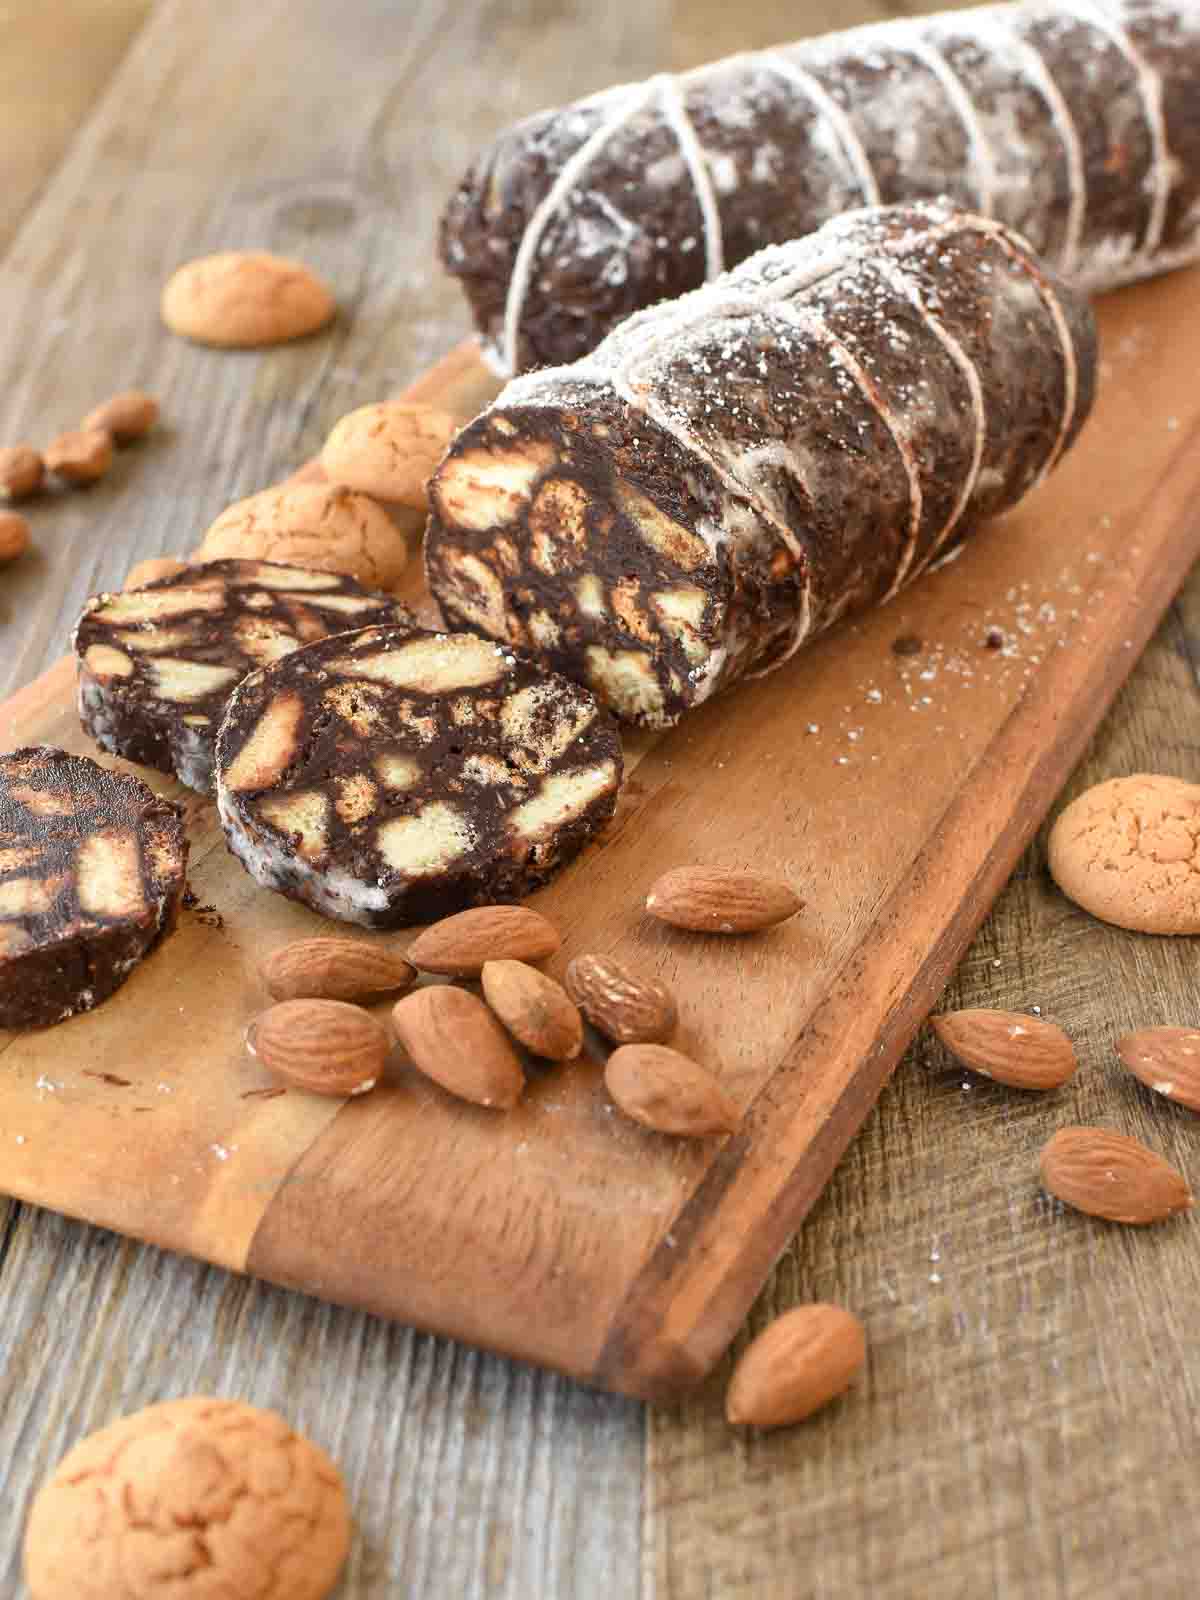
{"x": 92, "y": 871}
{"x": 731, "y": 472}
{"x": 1076, "y": 122}
{"x": 394, "y": 775}
{"x": 157, "y": 665}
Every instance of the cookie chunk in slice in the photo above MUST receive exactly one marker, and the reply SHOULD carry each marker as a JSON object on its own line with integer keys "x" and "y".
{"x": 157, "y": 665}
{"x": 92, "y": 871}
{"x": 395, "y": 775}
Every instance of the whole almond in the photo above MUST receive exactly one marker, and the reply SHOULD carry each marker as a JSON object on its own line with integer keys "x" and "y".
{"x": 327, "y": 968}
{"x": 389, "y": 450}
{"x": 22, "y": 471}
{"x": 458, "y": 946}
{"x": 806, "y": 1358}
{"x": 720, "y": 900}
{"x": 534, "y": 1008}
{"x": 126, "y": 416}
{"x": 321, "y": 1045}
{"x": 1022, "y": 1051}
{"x": 1109, "y": 1175}
{"x": 625, "y": 1007}
{"x": 80, "y": 457}
{"x": 245, "y": 299}
{"x": 454, "y": 1039}
{"x": 152, "y": 569}
{"x": 14, "y": 535}
{"x": 1166, "y": 1060}
{"x": 667, "y": 1091}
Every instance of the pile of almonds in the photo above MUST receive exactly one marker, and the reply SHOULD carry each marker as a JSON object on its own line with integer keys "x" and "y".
{"x": 79, "y": 457}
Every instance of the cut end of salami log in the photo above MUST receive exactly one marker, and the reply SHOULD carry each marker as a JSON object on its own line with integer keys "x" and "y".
{"x": 393, "y": 775}
{"x": 157, "y": 665}
{"x": 92, "y": 872}
{"x": 730, "y": 473}
{"x": 1076, "y": 122}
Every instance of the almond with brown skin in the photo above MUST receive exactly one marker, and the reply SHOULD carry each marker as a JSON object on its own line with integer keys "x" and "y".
{"x": 720, "y": 900}
{"x": 454, "y": 1039}
{"x": 1013, "y": 1048}
{"x": 537, "y": 1011}
{"x": 325, "y": 1046}
{"x": 806, "y": 1358}
{"x": 1109, "y": 1175}
{"x": 22, "y": 471}
{"x": 1166, "y": 1060}
{"x": 126, "y": 416}
{"x": 626, "y": 1007}
{"x": 458, "y": 946}
{"x": 667, "y": 1091}
{"x": 14, "y": 535}
{"x": 335, "y": 969}
{"x": 81, "y": 457}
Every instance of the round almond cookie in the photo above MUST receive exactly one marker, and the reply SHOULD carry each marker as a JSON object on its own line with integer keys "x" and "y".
{"x": 158, "y": 664}
{"x": 198, "y": 1496}
{"x": 395, "y": 775}
{"x": 92, "y": 872}
{"x": 1128, "y": 851}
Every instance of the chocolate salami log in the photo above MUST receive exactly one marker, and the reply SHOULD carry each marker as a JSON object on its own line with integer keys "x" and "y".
{"x": 1077, "y": 122}
{"x": 158, "y": 664}
{"x": 393, "y": 775}
{"x": 733, "y": 471}
{"x": 92, "y": 873}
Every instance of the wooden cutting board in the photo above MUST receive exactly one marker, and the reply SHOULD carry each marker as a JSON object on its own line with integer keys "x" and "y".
{"x": 893, "y": 773}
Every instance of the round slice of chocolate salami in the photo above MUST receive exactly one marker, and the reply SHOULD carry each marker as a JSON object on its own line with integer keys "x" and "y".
{"x": 394, "y": 775}
{"x": 157, "y": 665}
{"x": 92, "y": 871}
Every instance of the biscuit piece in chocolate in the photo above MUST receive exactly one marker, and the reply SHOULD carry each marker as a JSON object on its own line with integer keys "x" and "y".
{"x": 157, "y": 665}
{"x": 395, "y": 775}
{"x": 92, "y": 872}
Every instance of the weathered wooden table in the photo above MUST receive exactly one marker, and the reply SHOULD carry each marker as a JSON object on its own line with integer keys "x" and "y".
{"x": 1028, "y": 1424}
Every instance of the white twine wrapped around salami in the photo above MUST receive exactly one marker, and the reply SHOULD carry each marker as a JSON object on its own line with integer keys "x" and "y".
{"x": 1076, "y": 122}
{"x": 731, "y": 472}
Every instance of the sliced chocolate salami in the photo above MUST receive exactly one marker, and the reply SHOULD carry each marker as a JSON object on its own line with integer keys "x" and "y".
{"x": 1077, "y": 122}
{"x": 731, "y": 472}
{"x": 394, "y": 775}
{"x": 92, "y": 871}
{"x": 157, "y": 665}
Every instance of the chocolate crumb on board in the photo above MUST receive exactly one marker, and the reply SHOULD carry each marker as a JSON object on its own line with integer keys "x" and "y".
{"x": 92, "y": 872}
{"x": 1072, "y": 121}
{"x": 731, "y": 473}
{"x": 157, "y": 664}
{"x": 394, "y": 775}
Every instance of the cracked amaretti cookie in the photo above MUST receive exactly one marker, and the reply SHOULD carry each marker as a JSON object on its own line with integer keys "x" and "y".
{"x": 395, "y": 775}
{"x": 157, "y": 665}
{"x": 92, "y": 871}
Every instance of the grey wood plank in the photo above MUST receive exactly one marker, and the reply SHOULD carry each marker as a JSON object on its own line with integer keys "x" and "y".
{"x": 333, "y": 133}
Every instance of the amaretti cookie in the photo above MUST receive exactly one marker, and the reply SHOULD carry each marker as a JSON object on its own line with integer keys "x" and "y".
{"x": 92, "y": 872}
{"x": 395, "y": 775}
{"x": 157, "y": 665}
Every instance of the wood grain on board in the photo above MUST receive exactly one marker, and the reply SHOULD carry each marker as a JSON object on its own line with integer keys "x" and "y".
{"x": 1028, "y": 1424}
{"x": 499, "y": 1230}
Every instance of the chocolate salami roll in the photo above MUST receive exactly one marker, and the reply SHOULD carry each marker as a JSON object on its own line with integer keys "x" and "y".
{"x": 92, "y": 872}
{"x": 158, "y": 664}
{"x": 1077, "y": 122}
{"x": 394, "y": 775}
{"x": 731, "y": 472}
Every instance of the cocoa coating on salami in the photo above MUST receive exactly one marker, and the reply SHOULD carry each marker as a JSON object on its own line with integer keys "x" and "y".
{"x": 92, "y": 872}
{"x": 394, "y": 775}
{"x": 1076, "y": 122}
{"x": 158, "y": 664}
{"x": 732, "y": 472}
